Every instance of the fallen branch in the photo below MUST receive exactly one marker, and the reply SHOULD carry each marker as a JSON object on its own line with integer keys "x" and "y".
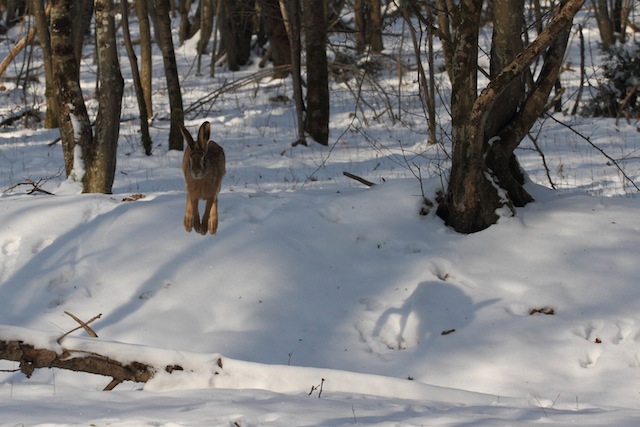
{"x": 32, "y": 358}
{"x": 26, "y": 114}
{"x": 83, "y": 325}
{"x": 122, "y": 362}
{"x": 34, "y": 184}
{"x": 359, "y": 179}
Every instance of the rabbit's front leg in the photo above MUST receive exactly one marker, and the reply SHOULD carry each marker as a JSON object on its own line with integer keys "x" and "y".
{"x": 192, "y": 216}
{"x": 210, "y": 216}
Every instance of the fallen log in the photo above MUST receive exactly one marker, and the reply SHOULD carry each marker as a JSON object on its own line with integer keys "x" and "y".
{"x": 32, "y": 358}
{"x": 122, "y": 362}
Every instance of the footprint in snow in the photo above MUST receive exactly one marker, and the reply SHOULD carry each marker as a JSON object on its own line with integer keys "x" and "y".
{"x": 10, "y": 250}
{"x": 624, "y": 330}
{"x": 42, "y": 244}
{"x": 591, "y": 359}
{"x": 590, "y": 331}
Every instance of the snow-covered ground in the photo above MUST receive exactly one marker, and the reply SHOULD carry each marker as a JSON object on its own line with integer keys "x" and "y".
{"x": 329, "y": 303}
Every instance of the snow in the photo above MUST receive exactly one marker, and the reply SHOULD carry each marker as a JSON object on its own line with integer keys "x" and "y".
{"x": 328, "y": 303}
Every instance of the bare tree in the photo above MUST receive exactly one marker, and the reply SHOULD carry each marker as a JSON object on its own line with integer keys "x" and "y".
{"x": 144, "y": 28}
{"x": 368, "y": 21}
{"x": 75, "y": 128}
{"x": 137, "y": 81}
{"x": 273, "y": 22}
{"x": 82, "y": 13}
{"x": 612, "y": 17}
{"x": 42, "y": 28}
{"x": 315, "y": 29}
{"x": 236, "y": 30}
{"x": 484, "y": 174}
{"x": 100, "y": 155}
{"x": 162, "y": 27}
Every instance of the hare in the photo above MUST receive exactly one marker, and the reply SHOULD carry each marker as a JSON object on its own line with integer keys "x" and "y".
{"x": 203, "y": 166}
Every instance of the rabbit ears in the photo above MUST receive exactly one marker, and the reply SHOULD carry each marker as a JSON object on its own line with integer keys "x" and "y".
{"x": 203, "y": 135}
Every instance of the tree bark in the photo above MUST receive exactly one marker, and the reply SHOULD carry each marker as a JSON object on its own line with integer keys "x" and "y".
{"x": 32, "y": 358}
{"x": 83, "y": 11}
{"x": 146, "y": 69}
{"x": 184, "y": 7}
{"x": 484, "y": 175}
{"x": 206, "y": 25}
{"x": 75, "y": 128}
{"x": 42, "y": 27}
{"x": 277, "y": 34}
{"x": 318, "y": 111}
{"x": 162, "y": 27}
{"x": 137, "y": 81}
{"x": 360, "y": 17}
{"x": 236, "y": 31}
{"x": 375, "y": 19}
{"x": 605, "y": 25}
{"x": 100, "y": 157}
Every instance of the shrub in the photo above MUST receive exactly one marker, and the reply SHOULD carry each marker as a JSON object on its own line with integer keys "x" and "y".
{"x": 618, "y": 91}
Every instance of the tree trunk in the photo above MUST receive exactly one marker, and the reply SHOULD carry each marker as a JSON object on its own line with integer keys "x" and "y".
{"x": 162, "y": 27}
{"x": 484, "y": 175}
{"x": 277, "y": 34}
{"x": 360, "y": 8}
{"x": 184, "y": 7}
{"x": 605, "y": 25}
{"x": 146, "y": 70}
{"x": 42, "y": 28}
{"x": 315, "y": 25}
{"x": 206, "y": 26}
{"x": 471, "y": 200}
{"x": 100, "y": 157}
{"x": 137, "y": 82}
{"x": 75, "y": 128}
{"x": 292, "y": 20}
{"x": 83, "y": 11}
{"x": 236, "y": 30}
{"x": 506, "y": 44}
{"x": 375, "y": 37}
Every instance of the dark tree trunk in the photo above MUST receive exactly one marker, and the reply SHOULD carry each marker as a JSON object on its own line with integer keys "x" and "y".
{"x": 376, "y": 27}
{"x": 294, "y": 28}
{"x": 485, "y": 176}
{"x": 236, "y": 30}
{"x": 100, "y": 159}
{"x": 83, "y": 11}
{"x": 506, "y": 44}
{"x": 368, "y": 22}
{"x": 75, "y": 128}
{"x": 315, "y": 26}
{"x": 144, "y": 28}
{"x": 277, "y": 34}
{"x": 605, "y": 24}
{"x": 162, "y": 27}
{"x": 360, "y": 10}
{"x": 137, "y": 82}
{"x": 471, "y": 200}
{"x": 42, "y": 26}
{"x": 184, "y": 7}
{"x": 206, "y": 25}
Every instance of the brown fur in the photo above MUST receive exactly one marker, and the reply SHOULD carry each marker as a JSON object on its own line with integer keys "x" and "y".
{"x": 203, "y": 166}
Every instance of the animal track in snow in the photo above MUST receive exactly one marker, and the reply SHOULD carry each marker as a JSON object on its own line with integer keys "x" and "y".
{"x": 624, "y": 330}
{"x": 591, "y": 359}
{"x": 10, "y": 250}
{"x": 42, "y": 243}
{"x": 590, "y": 331}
